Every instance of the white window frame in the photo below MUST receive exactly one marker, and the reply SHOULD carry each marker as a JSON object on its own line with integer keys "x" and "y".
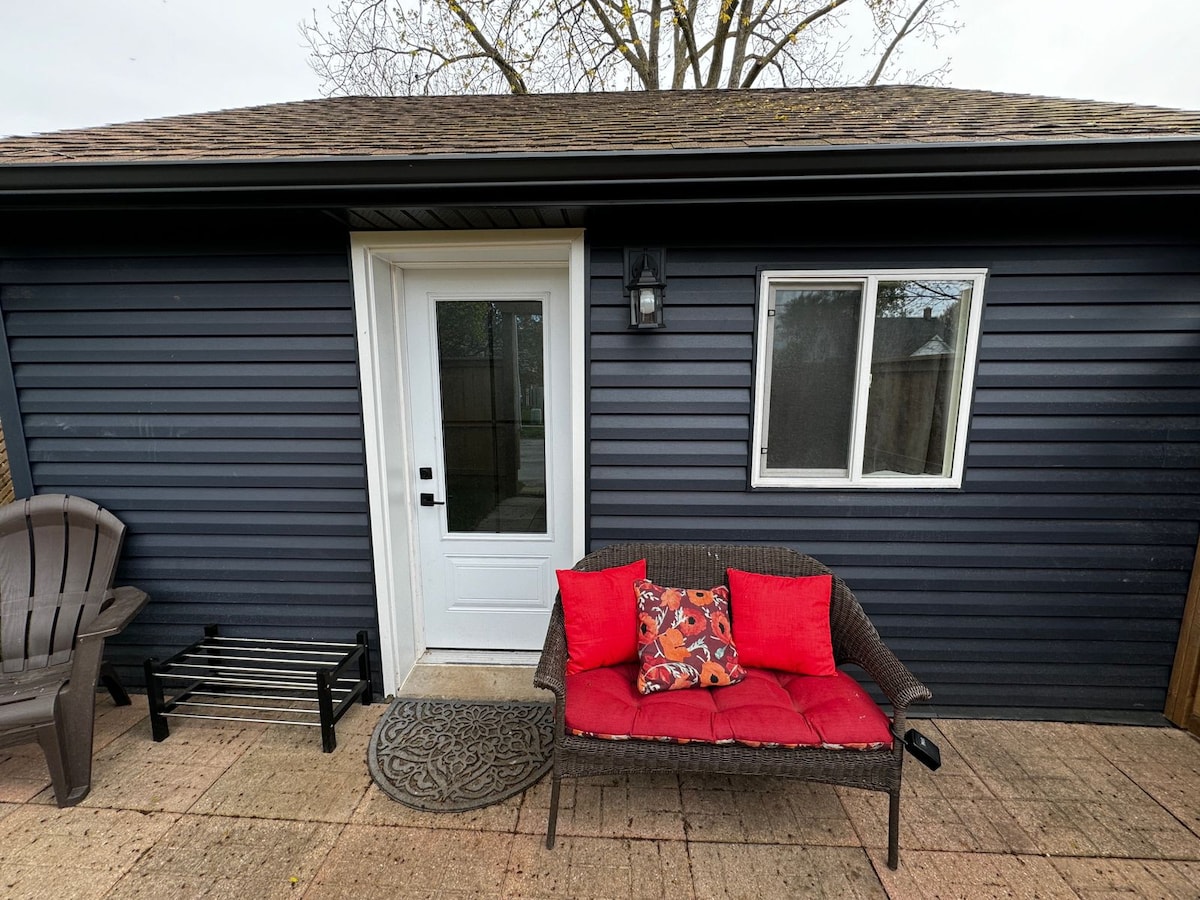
{"x": 869, "y": 279}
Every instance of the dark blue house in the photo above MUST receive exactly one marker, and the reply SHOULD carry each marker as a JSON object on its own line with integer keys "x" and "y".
{"x": 386, "y": 363}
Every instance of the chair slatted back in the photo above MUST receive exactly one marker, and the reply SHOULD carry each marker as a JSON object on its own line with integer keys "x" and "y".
{"x": 36, "y": 632}
{"x": 58, "y": 556}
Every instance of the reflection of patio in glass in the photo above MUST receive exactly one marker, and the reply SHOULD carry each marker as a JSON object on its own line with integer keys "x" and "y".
{"x": 525, "y": 511}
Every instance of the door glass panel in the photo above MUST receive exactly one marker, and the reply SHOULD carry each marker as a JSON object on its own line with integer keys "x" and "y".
{"x": 916, "y": 377}
{"x": 490, "y": 373}
{"x": 814, "y": 355}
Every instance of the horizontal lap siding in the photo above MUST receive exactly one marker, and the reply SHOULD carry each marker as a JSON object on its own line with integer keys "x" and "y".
{"x": 211, "y": 401}
{"x": 1056, "y": 577}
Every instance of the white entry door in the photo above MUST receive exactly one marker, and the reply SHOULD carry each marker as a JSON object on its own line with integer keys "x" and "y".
{"x": 487, "y": 373}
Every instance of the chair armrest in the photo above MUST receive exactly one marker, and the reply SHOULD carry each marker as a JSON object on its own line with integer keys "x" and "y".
{"x": 551, "y": 673}
{"x": 126, "y": 603}
{"x": 898, "y": 684}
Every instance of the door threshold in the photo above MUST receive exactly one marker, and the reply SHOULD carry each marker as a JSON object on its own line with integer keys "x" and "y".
{"x": 479, "y": 658}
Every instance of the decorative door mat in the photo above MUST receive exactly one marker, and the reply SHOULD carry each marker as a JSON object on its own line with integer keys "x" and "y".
{"x": 455, "y": 755}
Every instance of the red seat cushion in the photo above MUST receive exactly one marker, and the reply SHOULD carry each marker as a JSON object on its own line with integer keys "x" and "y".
{"x": 767, "y": 708}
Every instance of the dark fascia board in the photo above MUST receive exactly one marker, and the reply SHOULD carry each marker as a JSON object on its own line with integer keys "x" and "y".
{"x": 1109, "y": 166}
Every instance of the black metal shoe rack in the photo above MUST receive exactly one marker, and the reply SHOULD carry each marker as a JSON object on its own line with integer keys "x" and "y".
{"x": 309, "y": 683}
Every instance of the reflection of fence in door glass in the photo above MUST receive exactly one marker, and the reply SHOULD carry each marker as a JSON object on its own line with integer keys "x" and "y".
{"x": 490, "y": 359}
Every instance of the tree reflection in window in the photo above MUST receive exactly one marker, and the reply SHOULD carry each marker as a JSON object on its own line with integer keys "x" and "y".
{"x": 915, "y": 376}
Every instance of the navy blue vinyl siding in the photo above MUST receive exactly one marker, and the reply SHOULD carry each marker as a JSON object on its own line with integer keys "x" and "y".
{"x": 1055, "y": 578}
{"x": 202, "y": 384}
{"x": 211, "y": 400}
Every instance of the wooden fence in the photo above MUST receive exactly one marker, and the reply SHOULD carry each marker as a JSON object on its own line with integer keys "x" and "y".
{"x": 6, "y": 485}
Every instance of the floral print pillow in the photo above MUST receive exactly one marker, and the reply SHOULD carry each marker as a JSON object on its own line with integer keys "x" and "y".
{"x": 684, "y": 638}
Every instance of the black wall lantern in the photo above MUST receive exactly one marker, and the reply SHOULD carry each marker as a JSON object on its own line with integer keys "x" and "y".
{"x": 646, "y": 286}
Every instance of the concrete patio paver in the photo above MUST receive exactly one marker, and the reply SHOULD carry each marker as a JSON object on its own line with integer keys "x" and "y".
{"x": 133, "y": 772}
{"x": 591, "y": 868}
{"x": 927, "y": 875}
{"x": 1093, "y": 879}
{"x": 402, "y": 862}
{"x": 736, "y": 871}
{"x": 23, "y": 773}
{"x": 377, "y": 808}
{"x": 80, "y": 852}
{"x": 1018, "y": 809}
{"x": 221, "y": 856}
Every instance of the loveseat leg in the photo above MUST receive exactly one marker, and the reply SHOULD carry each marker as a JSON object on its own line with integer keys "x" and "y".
{"x": 893, "y": 859}
{"x": 552, "y": 824}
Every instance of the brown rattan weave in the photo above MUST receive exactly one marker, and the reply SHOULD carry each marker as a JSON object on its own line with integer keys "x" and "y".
{"x": 855, "y": 641}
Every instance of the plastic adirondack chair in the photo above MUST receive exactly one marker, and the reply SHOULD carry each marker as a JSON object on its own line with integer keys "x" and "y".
{"x": 58, "y": 557}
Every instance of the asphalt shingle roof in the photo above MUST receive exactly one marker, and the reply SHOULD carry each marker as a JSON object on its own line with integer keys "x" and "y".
{"x": 552, "y": 123}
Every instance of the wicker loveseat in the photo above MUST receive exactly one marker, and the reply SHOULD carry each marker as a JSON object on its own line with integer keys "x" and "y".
{"x": 855, "y": 641}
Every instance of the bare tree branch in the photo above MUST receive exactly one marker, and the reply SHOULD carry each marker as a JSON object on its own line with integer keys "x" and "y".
{"x": 684, "y": 25}
{"x": 902, "y": 32}
{"x": 515, "y": 82}
{"x": 656, "y": 12}
{"x": 683, "y": 57}
{"x": 721, "y": 28}
{"x": 634, "y": 55}
{"x": 770, "y": 56}
{"x": 451, "y": 46}
{"x": 745, "y": 24}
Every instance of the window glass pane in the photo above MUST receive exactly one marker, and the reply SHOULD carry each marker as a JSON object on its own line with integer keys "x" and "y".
{"x": 490, "y": 365}
{"x": 916, "y": 377}
{"x": 813, "y": 357}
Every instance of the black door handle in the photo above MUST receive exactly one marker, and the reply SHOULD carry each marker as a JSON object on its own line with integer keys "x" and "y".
{"x": 427, "y": 500}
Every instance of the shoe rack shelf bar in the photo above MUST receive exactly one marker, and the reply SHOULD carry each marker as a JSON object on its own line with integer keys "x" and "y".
{"x": 306, "y": 683}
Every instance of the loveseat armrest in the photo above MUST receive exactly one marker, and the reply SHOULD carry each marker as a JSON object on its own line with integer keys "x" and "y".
{"x": 898, "y": 684}
{"x": 126, "y": 603}
{"x": 551, "y": 672}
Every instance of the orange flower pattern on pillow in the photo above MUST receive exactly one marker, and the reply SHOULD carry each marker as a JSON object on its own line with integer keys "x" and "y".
{"x": 684, "y": 639}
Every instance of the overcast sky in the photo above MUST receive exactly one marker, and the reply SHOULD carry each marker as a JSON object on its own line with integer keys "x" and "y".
{"x": 78, "y": 63}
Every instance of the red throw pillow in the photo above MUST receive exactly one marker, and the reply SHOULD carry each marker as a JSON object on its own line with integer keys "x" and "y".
{"x": 684, "y": 639}
{"x": 782, "y": 622}
{"x": 600, "y": 615}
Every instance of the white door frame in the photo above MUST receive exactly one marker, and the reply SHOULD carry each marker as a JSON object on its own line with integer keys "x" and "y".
{"x": 378, "y": 261}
